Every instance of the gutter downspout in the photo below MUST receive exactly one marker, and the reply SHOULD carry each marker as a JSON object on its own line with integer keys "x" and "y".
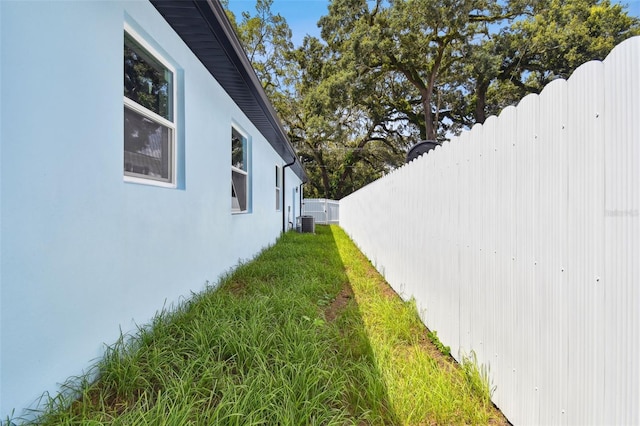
{"x": 301, "y": 198}
{"x": 284, "y": 190}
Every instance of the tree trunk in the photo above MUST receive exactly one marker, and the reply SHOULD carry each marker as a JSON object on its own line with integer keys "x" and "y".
{"x": 480, "y": 113}
{"x": 325, "y": 181}
{"x": 430, "y": 130}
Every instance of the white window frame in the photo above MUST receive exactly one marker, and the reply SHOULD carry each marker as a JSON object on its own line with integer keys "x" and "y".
{"x": 131, "y": 177}
{"x": 278, "y": 188}
{"x": 234, "y": 169}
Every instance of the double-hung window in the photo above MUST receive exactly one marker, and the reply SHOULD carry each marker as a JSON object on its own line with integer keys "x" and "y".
{"x": 278, "y": 186}
{"x": 239, "y": 172}
{"x": 149, "y": 117}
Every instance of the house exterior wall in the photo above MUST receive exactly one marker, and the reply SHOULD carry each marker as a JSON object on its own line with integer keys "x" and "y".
{"x": 84, "y": 253}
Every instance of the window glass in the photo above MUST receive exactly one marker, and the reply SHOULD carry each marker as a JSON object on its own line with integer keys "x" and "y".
{"x": 146, "y": 81}
{"x": 238, "y": 191}
{"x": 238, "y": 150}
{"x": 239, "y": 175}
{"x": 146, "y": 146}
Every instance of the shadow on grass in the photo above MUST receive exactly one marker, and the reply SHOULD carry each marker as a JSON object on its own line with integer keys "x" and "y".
{"x": 318, "y": 290}
{"x": 369, "y": 389}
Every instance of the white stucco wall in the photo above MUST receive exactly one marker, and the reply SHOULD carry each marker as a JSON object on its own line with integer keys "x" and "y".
{"x": 84, "y": 253}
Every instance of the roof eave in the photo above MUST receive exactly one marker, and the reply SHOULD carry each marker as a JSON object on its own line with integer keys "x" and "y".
{"x": 205, "y": 28}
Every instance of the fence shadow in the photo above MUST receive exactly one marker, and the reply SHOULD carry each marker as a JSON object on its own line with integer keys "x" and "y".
{"x": 369, "y": 390}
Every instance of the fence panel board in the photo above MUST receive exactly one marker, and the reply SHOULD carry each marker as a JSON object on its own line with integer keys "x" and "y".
{"x": 526, "y": 370}
{"x": 520, "y": 242}
{"x": 585, "y": 226}
{"x": 551, "y": 253}
{"x": 468, "y": 215}
{"x": 622, "y": 233}
{"x": 502, "y": 369}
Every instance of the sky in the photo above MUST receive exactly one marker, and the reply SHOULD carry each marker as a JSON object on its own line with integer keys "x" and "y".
{"x": 303, "y": 15}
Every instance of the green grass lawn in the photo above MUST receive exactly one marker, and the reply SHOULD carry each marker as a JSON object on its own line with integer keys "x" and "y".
{"x": 307, "y": 333}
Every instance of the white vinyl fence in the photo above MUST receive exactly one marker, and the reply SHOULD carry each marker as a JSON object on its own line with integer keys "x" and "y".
{"x": 323, "y": 211}
{"x": 520, "y": 241}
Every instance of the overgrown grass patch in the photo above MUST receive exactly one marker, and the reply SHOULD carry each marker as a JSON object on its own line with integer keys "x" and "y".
{"x": 305, "y": 334}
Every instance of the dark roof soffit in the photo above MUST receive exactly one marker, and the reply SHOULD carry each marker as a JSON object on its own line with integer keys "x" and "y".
{"x": 204, "y": 27}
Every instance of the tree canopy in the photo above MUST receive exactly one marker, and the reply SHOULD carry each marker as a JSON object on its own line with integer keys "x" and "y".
{"x": 389, "y": 73}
